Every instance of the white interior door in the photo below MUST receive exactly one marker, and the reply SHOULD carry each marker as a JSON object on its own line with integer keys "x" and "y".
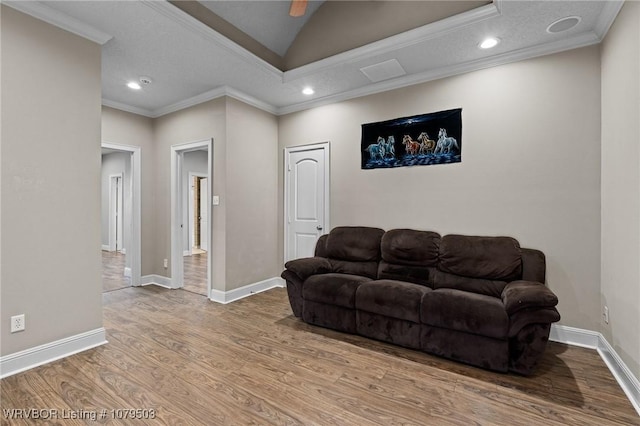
{"x": 306, "y": 198}
{"x": 204, "y": 214}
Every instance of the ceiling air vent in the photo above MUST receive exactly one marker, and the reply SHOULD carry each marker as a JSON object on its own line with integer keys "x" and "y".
{"x": 383, "y": 71}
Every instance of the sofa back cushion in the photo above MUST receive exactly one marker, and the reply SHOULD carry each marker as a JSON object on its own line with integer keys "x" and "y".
{"x": 354, "y": 243}
{"x": 408, "y": 255}
{"x": 354, "y": 250}
{"x": 321, "y": 246}
{"x": 488, "y": 258}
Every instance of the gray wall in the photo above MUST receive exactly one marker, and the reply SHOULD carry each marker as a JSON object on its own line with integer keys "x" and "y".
{"x": 200, "y": 122}
{"x": 50, "y": 182}
{"x": 123, "y": 128}
{"x": 530, "y": 166}
{"x": 252, "y": 201}
{"x": 621, "y": 185}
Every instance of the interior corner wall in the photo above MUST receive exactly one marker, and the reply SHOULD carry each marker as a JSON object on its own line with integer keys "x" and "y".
{"x": 124, "y": 128}
{"x": 252, "y": 209}
{"x": 50, "y": 194}
{"x": 197, "y": 123}
{"x": 621, "y": 185}
{"x": 530, "y": 166}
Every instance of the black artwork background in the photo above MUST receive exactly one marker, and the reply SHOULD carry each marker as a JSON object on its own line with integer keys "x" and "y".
{"x": 451, "y": 120}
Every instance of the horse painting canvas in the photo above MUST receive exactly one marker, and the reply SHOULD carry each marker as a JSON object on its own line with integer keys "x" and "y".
{"x": 420, "y": 140}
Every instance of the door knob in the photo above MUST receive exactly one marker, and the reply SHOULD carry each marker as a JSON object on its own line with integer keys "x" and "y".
{"x": 319, "y": 228}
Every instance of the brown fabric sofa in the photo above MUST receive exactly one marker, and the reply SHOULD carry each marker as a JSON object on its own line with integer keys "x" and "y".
{"x": 478, "y": 300}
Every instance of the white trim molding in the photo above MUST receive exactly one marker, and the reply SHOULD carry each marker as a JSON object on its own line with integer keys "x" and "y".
{"x": 105, "y": 247}
{"x": 41, "y": 11}
{"x": 127, "y": 272}
{"x": 30, "y": 358}
{"x": 225, "y": 297}
{"x": 593, "y": 340}
{"x": 158, "y": 280}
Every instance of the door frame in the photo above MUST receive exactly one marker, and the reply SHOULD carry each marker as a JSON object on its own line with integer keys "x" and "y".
{"x": 325, "y": 146}
{"x": 135, "y": 243}
{"x": 115, "y": 214}
{"x": 177, "y": 221}
{"x": 190, "y": 212}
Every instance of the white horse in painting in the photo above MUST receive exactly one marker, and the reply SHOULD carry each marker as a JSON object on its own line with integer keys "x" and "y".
{"x": 389, "y": 147}
{"x": 376, "y": 149}
{"x": 446, "y": 144}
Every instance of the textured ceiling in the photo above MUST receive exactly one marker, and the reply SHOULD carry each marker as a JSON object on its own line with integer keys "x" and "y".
{"x": 189, "y": 62}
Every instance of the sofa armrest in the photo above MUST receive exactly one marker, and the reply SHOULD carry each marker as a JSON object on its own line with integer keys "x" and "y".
{"x": 518, "y": 295}
{"x": 308, "y": 266}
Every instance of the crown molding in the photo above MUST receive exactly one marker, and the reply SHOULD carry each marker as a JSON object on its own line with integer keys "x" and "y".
{"x": 195, "y": 100}
{"x": 47, "y": 14}
{"x": 127, "y": 108}
{"x": 582, "y": 40}
{"x": 607, "y": 16}
{"x": 399, "y": 41}
{"x": 191, "y": 23}
{"x": 216, "y": 93}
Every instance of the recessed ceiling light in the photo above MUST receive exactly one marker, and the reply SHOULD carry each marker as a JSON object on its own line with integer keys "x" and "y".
{"x": 490, "y": 42}
{"x": 308, "y": 91}
{"x": 133, "y": 85}
{"x": 563, "y": 24}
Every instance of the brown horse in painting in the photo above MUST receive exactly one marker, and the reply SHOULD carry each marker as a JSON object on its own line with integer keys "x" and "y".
{"x": 412, "y": 147}
{"x": 427, "y": 145}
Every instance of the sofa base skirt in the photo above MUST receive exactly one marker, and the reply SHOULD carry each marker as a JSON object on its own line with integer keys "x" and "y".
{"x": 527, "y": 347}
{"x": 392, "y": 330}
{"x": 329, "y": 316}
{"x": 485, "y": 352}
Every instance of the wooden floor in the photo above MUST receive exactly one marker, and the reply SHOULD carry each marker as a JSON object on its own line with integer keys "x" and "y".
{"x": 195, "y": 273}
{"x": 113, "y": 277}
{"x": 251, "y": 362}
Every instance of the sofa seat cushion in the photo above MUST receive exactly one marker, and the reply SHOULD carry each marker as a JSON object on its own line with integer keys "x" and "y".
{"x": 333, "y": 289}
{"x": 395, "y": 299}
{"x": 464, "y": 311}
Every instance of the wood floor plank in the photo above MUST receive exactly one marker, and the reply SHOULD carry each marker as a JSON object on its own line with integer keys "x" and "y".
{"x": 252, "y": 362}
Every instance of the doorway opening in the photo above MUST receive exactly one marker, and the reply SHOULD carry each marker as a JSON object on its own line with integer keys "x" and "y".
{"x": 191, "y": 217}
{"x": 120, "y": 179}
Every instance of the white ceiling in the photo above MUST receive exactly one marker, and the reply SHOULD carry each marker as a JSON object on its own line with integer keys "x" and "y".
{"x": 191, "y": 63}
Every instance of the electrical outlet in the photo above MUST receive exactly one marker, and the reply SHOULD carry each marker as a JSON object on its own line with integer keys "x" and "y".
{"x": 17, "y": 323}
{"x": 606, "y": 315}
{"x": 166, "y": 263}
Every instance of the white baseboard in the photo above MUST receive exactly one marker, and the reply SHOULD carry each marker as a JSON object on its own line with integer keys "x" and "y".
{"x": 123, "y": 251}
{"x": 186, "y": 253}
{"x": 574, "y": 336}
{"x": 105, "y": 247}
{"x": 154, "y": 279}
{"x": 29, "y": 358}
{"x": 594, "y": 340}
{"x": 127, "y": 272}
{"x": 247, "y": 290}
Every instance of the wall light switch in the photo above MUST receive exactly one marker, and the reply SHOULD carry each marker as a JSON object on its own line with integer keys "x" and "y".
{"x": 215, "y": 200}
